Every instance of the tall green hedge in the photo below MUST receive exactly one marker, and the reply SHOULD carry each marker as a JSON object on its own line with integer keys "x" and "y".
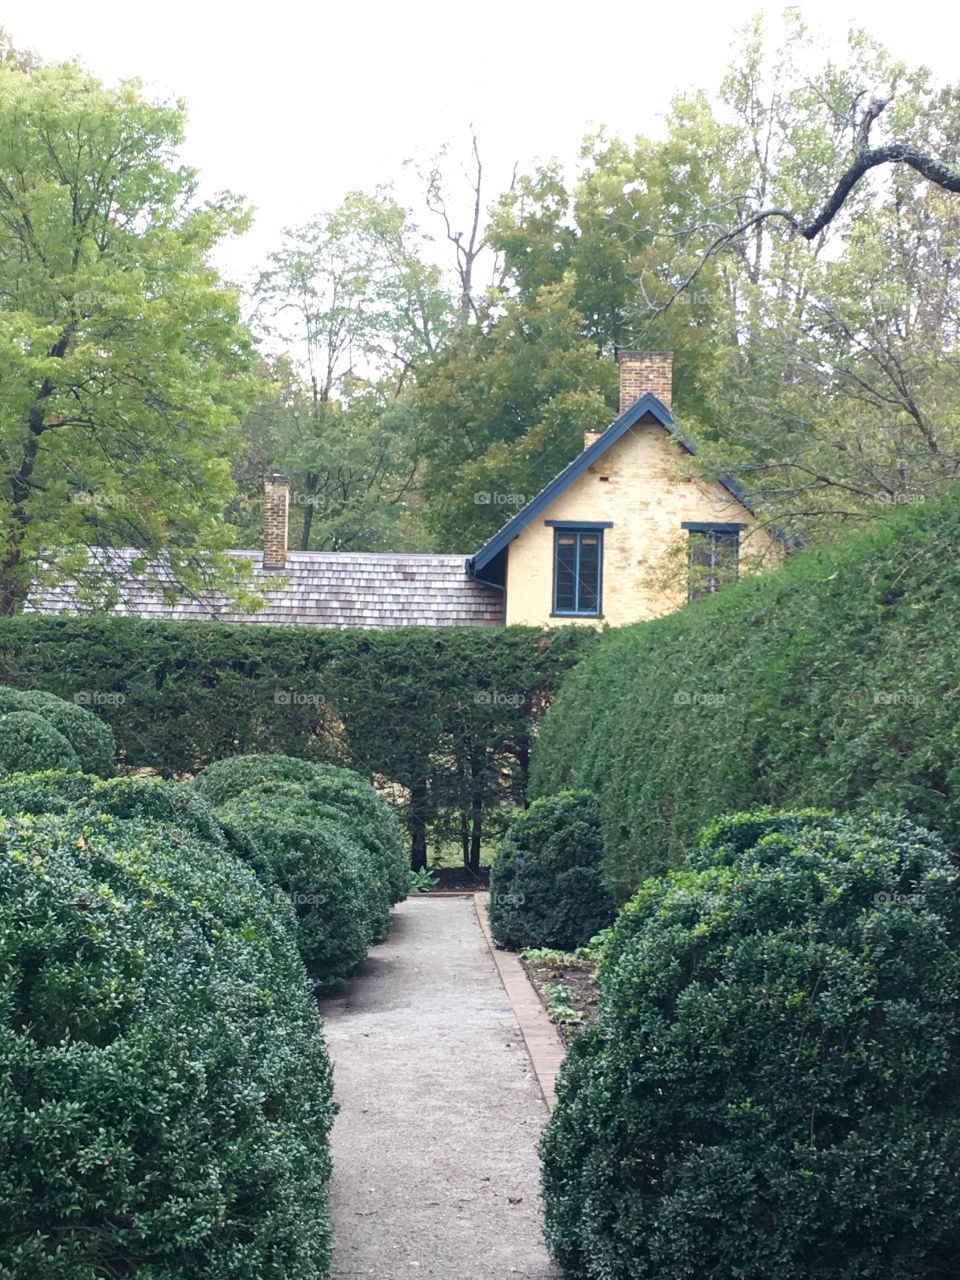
{"x": 831, "y": 682}
{"x": 447, "y": 714}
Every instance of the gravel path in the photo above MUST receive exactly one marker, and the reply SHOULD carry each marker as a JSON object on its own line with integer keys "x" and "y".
{"x": 434, "y": 1149}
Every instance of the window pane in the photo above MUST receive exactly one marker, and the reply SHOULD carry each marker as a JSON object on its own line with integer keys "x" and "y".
{"x": 566, "y": 564}
{"x": 589, "y": 573}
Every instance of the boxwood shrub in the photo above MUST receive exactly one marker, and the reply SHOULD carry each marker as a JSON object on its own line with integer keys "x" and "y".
{"x": 227, "y": 778}
{"x": 313, "y": 861}
{"x": 91, "y": 739}
{"x": 175, "y": 803}
{"x": 368, "y": 816}
{"x": 28, "y": 741}
{"x": 546, "y": 886}
{"x": 773, "y": 1085}
{"x": 165, "y": 1093}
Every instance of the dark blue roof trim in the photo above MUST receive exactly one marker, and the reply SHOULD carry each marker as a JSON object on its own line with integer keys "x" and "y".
{"x": 648, "y": 403}
{"x": 526, "y": 515}
{"x": 579, "y": 524}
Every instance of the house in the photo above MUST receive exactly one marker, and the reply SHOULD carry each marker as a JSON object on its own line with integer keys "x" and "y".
{"x": 621, "y": 534}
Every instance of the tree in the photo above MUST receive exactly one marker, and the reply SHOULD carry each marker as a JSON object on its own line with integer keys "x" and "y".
{"x": 356, "y": 304}
{"x": 123, "y": 365}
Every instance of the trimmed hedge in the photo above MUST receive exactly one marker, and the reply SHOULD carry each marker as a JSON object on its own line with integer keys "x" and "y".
{"x": 546, "y": 887}
{"x": 445, "y": 713}
{"x": 27, "y": 739}
{"x": 831, "y": 682}
{"x": 90, "y": 738}
{"x": 367, "y": 816}
{"x": 773, "y": 1085}
{"x": 166, "y": 1093}
{"x": 174, "y": 803}
{"x": 226, "y": 779}
{"x": 324, "y": 874}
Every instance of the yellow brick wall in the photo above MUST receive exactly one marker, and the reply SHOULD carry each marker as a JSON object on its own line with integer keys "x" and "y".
{"x": 639, "y": 486}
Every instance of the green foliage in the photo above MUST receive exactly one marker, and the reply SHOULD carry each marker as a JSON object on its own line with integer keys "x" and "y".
{"x": 167, "y": 1096}
{"x": 47, "y": 791}
{"x": 173, "y": 803}
{"x": 124, "y": 365}
{"x": 546, "y": 888}
{"x": 361, "y": 811}
{"x": 831, "y": 682}
{"x": 772, "y": 1088}
{"x": 226, "y": 779}
{"x": 560, "y": 1006}
{"x": 322, "y": 872}
{"x": 91, "y": 739}
{"x": 445, "y": 714}
{"x": 421, "y": 881}
{"x": 28, "y": 740}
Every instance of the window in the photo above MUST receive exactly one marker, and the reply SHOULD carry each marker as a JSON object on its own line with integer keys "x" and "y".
{"x": 714, "y": 557}
{"x": 577, "y": 571}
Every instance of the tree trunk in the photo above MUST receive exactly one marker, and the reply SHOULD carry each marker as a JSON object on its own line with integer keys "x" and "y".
{"x": 476, "y": 835}
{"x": 418, "y": 828}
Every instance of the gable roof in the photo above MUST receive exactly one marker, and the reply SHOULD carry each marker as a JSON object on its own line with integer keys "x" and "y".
{"x": 647, "y": 404}
{"x": 315, "y": 588}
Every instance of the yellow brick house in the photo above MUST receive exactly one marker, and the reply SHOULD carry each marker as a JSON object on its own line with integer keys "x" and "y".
{"x": 606, "y": 539}
{"x": 621, "y": 534}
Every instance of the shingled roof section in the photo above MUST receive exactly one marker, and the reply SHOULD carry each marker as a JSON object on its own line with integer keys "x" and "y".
{"x": 321, "y": 589}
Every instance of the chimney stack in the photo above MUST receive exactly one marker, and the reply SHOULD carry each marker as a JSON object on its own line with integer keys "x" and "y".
{"x": 643, "y": 371}
{"x": 276, "y": 508}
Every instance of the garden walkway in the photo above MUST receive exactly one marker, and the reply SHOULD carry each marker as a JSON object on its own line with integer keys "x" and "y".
{"x": 435, "y": 1146}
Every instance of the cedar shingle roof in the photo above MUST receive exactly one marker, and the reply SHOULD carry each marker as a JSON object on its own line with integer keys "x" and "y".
{"x": 321, "y": 589}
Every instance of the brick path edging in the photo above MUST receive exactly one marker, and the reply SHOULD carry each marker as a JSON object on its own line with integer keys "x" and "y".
{"x": 544, "y": 1045}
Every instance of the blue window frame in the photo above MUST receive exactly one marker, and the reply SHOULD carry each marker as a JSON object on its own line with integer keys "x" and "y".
{"x": 714, "y": 557}
{"x": 577, "y": 570}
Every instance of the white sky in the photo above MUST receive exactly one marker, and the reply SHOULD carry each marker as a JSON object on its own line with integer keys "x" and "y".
{"x": 292, "y": 105}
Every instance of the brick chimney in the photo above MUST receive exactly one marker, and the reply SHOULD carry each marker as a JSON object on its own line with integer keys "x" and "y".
{"x": 643, "y": 371}
{"x": 276, "y": 507}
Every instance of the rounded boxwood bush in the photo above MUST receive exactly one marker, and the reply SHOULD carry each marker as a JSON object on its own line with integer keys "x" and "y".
{"x": 89, "y": 736}
{"x": 773, "y": 1085}
{"x": 312, "y": 861}
{"x": 311, "y": 801}
{"x": 165, "y": 1093}
{"x": 52, "y": 791}
{"x": 47, "y": 791}
{"x": 27, "y": 741}
{"x": 546, "y": 886}
{"x": 225, "y": 779}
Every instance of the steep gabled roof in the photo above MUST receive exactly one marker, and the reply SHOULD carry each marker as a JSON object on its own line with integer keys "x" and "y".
{"x": 647, "y": 404}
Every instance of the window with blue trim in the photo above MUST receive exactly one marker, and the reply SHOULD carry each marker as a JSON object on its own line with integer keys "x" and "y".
{"x": 714, "y": 558}
{"x": 577, "y": 571}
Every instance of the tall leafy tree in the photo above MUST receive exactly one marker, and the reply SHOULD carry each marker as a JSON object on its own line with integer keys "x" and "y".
{"x": 357, "y": 307}
{"x": 123, "y": 365}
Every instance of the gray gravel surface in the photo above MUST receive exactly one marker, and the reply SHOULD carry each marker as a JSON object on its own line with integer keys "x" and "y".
{"x": 435, "y": 1146}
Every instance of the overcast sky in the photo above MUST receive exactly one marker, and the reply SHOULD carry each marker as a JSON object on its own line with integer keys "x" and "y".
{"x": 294, "y": 105}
